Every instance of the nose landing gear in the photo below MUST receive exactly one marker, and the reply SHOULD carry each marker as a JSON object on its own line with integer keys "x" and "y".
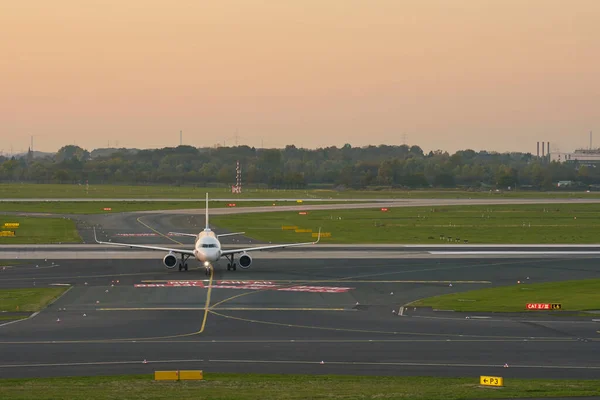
{"x": 207, "y": 269}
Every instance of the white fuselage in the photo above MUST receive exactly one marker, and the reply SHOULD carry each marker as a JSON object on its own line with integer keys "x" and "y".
{"x": 207, "y": 247}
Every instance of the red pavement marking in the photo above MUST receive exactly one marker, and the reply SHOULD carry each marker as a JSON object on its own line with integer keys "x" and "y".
{"x": 249, "y": 285}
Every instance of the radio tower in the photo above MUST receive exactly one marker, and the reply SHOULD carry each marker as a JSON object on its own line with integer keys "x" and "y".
{"x": 238, "y": 179}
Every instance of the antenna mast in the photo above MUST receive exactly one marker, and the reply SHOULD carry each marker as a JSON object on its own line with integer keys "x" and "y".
{"x": 238, "y": 179}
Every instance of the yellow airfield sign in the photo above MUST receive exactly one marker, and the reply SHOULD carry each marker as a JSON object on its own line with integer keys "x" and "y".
{"x": 7, "y": 233}
{"x": 179, "y": 375}
{"x": 10, "y": 225}
{"x": 491, "y": 381}
{"x": 323, "y": 234}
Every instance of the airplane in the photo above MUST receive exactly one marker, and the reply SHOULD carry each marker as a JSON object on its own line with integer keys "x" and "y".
{"x": 207, "y": 249}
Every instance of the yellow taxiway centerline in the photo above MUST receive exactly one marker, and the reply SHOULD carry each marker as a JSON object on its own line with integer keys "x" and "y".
{"x": 207, "y": 304}
{"x": 139, "y": 219}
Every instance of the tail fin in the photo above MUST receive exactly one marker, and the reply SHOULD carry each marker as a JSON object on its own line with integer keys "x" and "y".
{"x": 206, "y": 227}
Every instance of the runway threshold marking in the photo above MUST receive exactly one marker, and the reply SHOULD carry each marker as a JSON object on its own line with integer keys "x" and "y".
{"x": 139, "y": 219}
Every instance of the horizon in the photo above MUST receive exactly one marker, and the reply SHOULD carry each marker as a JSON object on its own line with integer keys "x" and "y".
{"x": 425, "y": 152}
{"x": 498, "y": 75}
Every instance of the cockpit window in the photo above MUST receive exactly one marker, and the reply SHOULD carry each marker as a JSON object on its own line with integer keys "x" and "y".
{"x": 205, "y": 245}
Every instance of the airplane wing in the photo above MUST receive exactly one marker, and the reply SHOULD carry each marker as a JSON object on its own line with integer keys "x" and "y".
{"x": 230, "y": 234}
{"x": 141, "y": 246}
{"x": 183, "y": 234}
{"x": 270, "y": 247}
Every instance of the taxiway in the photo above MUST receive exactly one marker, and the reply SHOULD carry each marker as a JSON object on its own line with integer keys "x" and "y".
{"x": 289, "y": 315}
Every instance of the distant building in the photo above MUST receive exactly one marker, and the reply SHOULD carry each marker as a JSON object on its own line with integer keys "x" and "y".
{"x": 580, "y": 156}
{"x": 565, "y": 183}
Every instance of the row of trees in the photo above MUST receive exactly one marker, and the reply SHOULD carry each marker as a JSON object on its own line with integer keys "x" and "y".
{"x": 396, "y": 166}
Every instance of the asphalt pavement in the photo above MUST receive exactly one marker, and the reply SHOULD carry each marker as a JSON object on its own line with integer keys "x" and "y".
{"x": 316, "y": 316}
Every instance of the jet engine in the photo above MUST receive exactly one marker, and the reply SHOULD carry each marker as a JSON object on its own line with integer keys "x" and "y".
{"x": 170, "y": 261}
{"x": 245, "y": 260}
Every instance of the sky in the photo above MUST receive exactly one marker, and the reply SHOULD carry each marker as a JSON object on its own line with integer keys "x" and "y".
{"x": 495, "y": 75}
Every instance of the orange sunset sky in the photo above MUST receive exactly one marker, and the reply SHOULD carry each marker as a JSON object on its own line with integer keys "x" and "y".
{"x": 448, "y": 74}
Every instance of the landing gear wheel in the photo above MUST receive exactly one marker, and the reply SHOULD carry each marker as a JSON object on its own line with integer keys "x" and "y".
{"x": 183, "y": 263}
{"x": 207, "y": 271}
{"x": 231, "y": 265}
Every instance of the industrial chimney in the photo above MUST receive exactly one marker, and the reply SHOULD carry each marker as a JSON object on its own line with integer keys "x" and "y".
{"x": 538, "y": 149}
{"x": 543, "y": 145}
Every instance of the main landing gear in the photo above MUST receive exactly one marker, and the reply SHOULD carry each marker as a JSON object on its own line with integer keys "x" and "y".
{"x": 183, "y": 264}
{"x": 231, "y": 265}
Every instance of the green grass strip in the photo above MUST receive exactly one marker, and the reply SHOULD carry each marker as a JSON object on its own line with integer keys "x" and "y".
{"x": 65, "y": 191}
{"x": 501, "y": 224}
{"x": 30, "y": 299}
{"x": 5, "y": 318}
{"x": 288, "y": 387}
{"x": 579, "y": 295}
{"x": 36, "y": 230}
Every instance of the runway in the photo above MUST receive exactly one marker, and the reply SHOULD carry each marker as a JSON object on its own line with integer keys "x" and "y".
{"x": 293, "y": 315}
{"x": 326, "y": 309}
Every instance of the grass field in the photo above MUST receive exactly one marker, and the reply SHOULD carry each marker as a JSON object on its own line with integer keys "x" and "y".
{"x": 30, "y": 299}
{"x": 5, "y": 318}
{"x": 287, "y": 387}
{"x": 579, "y": 295}
{"x": 28, "y": 190}
{"x": 563, "y": 223}
{"x": 40, "y": 230}
{"x": 77, "y": 207}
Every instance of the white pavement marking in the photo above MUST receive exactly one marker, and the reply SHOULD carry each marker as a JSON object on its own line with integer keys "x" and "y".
{"x": 515, "y": 253}
{"x": 20, "y": 320}
{"x": 75, "y": 364}
{"x": 296, "y": 362}
{"x": 307, "y": 254}
{"x": 408, "y": 364}
{"x": 37, "y": 312}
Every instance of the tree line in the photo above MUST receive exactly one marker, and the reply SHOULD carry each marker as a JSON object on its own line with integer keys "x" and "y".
{"x": 351, "y": 167}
